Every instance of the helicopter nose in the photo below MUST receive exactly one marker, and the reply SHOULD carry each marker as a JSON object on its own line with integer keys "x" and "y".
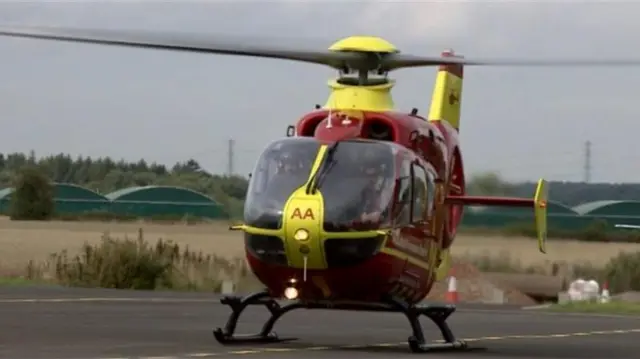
{"x": 302, "y": 227}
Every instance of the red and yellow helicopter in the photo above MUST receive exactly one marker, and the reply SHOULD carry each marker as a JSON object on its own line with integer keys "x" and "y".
{"x": 357, "y": 207}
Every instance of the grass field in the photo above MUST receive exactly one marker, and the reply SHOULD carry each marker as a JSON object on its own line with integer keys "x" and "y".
{"x": 24, "y": 241}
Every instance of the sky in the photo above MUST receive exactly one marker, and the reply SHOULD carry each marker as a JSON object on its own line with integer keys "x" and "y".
{"x": 165, "y": 107}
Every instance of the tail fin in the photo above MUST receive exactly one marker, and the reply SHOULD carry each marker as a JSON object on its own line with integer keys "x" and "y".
{"x": 447, "y": 93}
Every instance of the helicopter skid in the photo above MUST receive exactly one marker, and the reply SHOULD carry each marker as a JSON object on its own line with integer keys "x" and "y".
{"x": 227, "y": 335}
{"x": 438, "y": 314}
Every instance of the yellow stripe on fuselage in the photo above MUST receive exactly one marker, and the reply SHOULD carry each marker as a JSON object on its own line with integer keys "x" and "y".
{"x": 384, "y": 249}
{"x": 406, "y": 257}
{"x": 364, "y": 235}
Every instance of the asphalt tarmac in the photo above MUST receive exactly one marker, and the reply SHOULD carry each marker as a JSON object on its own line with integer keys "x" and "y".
{"x": 106, "y": 324}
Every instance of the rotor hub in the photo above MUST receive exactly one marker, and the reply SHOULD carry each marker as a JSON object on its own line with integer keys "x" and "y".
{"x": 368, "y": 69}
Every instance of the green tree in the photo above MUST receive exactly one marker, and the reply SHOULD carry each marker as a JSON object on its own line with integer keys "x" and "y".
{"x": 487, "y": 184}
{"x": 32, "y": 198}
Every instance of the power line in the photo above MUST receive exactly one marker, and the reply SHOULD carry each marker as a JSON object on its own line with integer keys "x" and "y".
{"x": 587, "y": 161}
{"x": 230, "y": 157}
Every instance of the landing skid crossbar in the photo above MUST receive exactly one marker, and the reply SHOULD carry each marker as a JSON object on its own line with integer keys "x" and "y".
{"x": 438, "y": 314}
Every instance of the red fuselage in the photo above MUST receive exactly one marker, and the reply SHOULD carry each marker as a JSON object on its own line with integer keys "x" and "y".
{"x": 403, "y": 267}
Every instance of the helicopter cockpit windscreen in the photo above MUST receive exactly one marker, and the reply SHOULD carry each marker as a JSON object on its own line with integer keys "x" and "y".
{"x": 282, "y": 168}
{"x": 357, "y": 186}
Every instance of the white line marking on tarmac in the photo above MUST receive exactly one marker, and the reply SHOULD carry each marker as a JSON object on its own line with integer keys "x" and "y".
{"x": 257, "y": 351}
{"x": 249, "y": 351}
{"x": 215, "y": 301}
{"x": 107, "y": 299}
{"x": 554, "y": 314}
{"x": 202, "y": 355}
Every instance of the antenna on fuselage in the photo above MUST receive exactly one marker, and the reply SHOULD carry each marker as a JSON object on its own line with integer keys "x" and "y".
{"x": 329, "y": 121}
{"x": 330, "y": 117}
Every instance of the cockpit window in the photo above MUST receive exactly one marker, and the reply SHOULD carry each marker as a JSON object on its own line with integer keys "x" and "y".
{"x": 431, "y": 191}
{"x": 420, "y": 206}
{"x": 357, "y": 186}
{"x": 423, "y": 193}
{"x": 356, "y": 182}
{"x": 283, "y": 167}
{"x": 402, "y": 215}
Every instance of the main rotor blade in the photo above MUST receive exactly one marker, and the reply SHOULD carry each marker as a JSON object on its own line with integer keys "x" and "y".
{"x": 398, "y": 61}
{"x": 183, "y": 42}
{"x": 338, "y": 60}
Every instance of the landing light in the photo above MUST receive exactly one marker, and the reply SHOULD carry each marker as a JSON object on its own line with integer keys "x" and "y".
{"x": 301, "y": 235}
{"x": 291, "y": 293}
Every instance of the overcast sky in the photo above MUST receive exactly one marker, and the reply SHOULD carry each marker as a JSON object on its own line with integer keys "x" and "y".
{"x": 166, "y": 107}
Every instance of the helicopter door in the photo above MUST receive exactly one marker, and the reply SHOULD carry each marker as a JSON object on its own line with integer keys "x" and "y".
{"x": 419, "y": 229}
{"x": 414, "y": 233}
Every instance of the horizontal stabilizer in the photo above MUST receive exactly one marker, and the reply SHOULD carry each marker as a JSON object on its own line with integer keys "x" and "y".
{"x": 237, "y": 227}
{"x": 538, "y": 203}
{"x": 490, "y": 201}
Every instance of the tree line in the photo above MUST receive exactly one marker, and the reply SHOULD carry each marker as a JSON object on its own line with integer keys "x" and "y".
{"x": 568, "y": 193}
{"x": 106, "y": 175}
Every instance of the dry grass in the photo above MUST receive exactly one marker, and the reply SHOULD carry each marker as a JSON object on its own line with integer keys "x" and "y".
{"x": 525, "y": 250}
{"x": 24, "y": 241}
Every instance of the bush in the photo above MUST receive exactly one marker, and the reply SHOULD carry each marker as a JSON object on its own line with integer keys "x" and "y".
{"x": 32, "y": 198}
{"x": 502, "y": 262}
{"x": 623, "y": 272}
{"x": 137, "y": 264}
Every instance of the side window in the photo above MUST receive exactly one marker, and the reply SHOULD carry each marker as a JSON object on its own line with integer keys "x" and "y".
{"x": 431, "y": 191}
{"x": 419, "y": 194}
{"x": 403, "y": 200}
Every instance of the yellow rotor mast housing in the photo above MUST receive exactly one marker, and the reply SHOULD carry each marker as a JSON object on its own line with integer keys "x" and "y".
{"x": 367, "y": 97}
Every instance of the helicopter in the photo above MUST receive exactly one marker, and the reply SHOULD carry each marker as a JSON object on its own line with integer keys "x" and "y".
{"x": 357, "y": 207}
